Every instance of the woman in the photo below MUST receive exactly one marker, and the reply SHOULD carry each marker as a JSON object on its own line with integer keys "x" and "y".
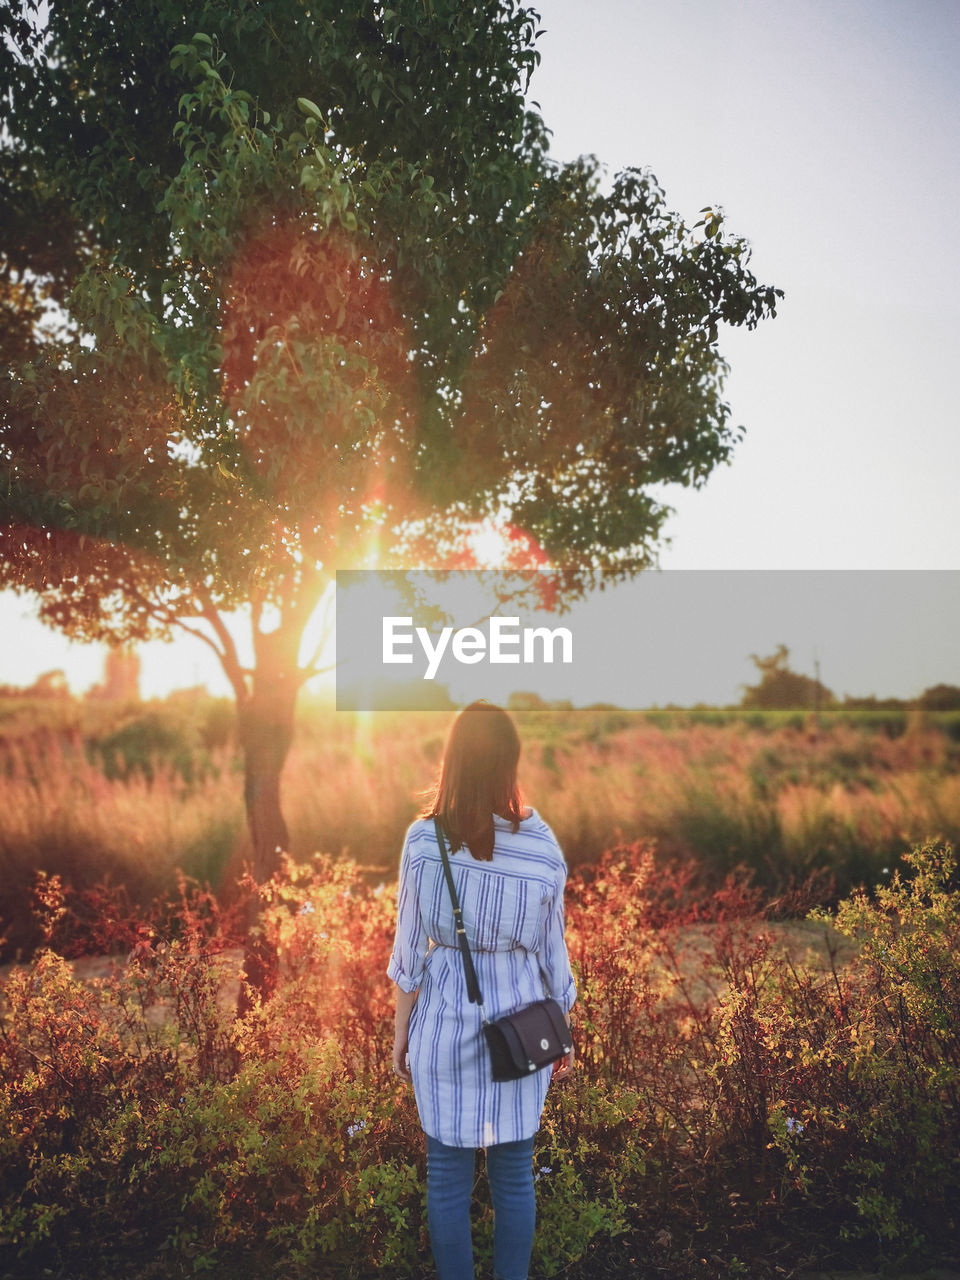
{"x": 509, "y": 874}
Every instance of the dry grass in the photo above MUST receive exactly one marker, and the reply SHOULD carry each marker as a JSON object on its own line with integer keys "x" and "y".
{"x": 778, "y": 801}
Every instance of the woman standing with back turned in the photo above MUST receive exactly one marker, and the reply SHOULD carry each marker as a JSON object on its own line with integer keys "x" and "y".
{"x": 509, "y": 875}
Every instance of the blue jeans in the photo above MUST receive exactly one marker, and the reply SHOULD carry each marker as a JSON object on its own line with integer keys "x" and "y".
{"x": 449, "y": 1189}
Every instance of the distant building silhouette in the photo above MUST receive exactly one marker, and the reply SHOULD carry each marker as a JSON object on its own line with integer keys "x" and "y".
{"x": 121, "y": 676}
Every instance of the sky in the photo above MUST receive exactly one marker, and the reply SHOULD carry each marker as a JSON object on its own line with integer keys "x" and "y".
{"x": 829, "y": 133}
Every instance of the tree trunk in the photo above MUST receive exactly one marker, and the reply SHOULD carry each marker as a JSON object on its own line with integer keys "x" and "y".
{"x": 265, "y": 724}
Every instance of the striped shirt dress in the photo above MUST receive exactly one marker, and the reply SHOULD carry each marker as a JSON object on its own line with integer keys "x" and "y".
{"x": 513, "y": 915}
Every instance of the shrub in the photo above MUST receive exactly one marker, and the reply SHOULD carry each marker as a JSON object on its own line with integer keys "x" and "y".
{"x": 903, "y": 1054}
{"x": 734, "y": 1087}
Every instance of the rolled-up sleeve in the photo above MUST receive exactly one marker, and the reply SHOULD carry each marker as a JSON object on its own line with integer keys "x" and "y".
{"x": 410, "y": 942}
{"x": 554, "y": 960}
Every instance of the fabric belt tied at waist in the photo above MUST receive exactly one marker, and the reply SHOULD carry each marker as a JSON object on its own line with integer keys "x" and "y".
{"x": 487, "y": 951}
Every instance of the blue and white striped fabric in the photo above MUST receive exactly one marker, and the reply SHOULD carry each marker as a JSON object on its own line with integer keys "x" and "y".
{"x": 513, "y": 914}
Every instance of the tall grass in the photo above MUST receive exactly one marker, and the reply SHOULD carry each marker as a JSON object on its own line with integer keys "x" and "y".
{"x": 134, "y": 798}
{"x": 60, "y": 813}
{"x": 777, "y": 801}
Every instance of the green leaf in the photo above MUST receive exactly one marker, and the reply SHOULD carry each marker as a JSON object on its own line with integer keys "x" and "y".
{"x": 309, "y": 108}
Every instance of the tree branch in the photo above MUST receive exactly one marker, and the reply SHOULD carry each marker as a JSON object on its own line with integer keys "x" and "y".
{"x": 229, "y": 658}
{"x": 307, "y": 673}
{"x": 257, "y": 599}
{"x": 199, "y": 635}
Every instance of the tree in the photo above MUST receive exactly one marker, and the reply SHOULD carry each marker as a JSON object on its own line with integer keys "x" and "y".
{"x": 940, "y": 697}
{"x": 329, "y": 304}
{"x": 783, "y": 689}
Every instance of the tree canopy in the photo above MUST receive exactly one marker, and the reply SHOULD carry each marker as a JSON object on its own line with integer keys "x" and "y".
{"x": 784, "y": 689}
{"x": 323, "y": 300}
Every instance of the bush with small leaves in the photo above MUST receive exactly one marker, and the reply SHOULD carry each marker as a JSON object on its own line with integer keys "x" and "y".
{"x": 729, "y": 1089}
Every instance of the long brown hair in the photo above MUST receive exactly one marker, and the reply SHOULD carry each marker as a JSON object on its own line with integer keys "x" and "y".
{"x": 478, "y": 777}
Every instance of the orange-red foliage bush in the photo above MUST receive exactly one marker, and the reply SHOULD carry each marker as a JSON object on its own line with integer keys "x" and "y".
{"x": 738, "y": 1107}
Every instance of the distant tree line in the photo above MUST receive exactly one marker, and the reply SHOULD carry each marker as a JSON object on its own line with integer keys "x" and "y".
{"x": 781, "y": 688}
{"x": 121, "y": 680}
{"x": 51, "y": 684}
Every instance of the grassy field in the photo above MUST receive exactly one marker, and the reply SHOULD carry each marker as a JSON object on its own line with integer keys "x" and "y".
{"x": 760, "y": 1092}
{"x": 130, "y": 794}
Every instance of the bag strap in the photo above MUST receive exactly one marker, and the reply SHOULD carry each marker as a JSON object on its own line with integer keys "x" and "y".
{"x": 473, "y": 986}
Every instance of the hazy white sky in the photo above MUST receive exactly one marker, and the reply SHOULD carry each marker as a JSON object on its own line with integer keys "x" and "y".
{"x": 830, "y": 134}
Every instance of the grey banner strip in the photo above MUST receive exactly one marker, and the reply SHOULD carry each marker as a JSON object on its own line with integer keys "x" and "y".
{"x": 425, "y": 641}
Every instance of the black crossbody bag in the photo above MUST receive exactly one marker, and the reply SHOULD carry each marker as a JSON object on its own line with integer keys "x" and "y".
{"x": 522, "y": 1042}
